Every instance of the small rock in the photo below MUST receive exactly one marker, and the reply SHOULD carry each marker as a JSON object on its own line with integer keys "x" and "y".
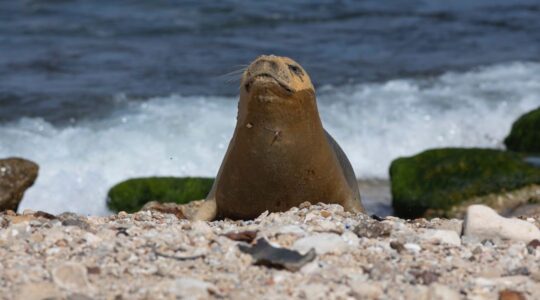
{"x": 21, "y": 218}
{"x": 76, "y": 222}
{"x": 16, "y": 231}
{"x": 78, "y": 296}
{"x": 366, "y": 290}
{"x": 532, "y": 246}
{"x": 28, "y": 212}
{"x": 243, "y": 236}
{"x": 93, "y": 270}
{"x": 443, "y": 236}
{"x": 38, "y": 291}
{"x": 289, "y": 229}
{"x": 511, "y": 295}
{"x": 518, "y": 271}
{"x": 415, "y": 248}
{"x": 425, "y": 277}
{"x": 71, "y": 276}
{"x": 202, "y": 228}
{"x": 448, "y": 224}
{"x": 483, "y": 222}
{"x": 373, "y": 229}
{"x": 188, "y": 288}
{"x": 42, "y": 214}
{"x": 398, "y": 246}
{"x": 16, "y": 175}
{"x": 416, "y": 292}
{"x": 322, "y": 243}
{"x": 442, "y": 292}
{"x": 315, "y": 291}
{"x": 325, "y": 213}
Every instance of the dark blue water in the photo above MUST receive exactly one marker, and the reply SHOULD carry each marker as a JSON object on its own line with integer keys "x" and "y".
{"x": 67, "y": 60}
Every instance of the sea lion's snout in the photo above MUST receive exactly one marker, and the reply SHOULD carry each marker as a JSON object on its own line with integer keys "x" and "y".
{"x": 275, "y": 72}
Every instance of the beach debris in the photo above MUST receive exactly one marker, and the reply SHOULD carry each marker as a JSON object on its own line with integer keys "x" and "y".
{"x": 280, "y": 258}
{"x": 483, "y": 223}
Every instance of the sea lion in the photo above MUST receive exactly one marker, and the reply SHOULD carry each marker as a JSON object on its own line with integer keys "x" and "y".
{"x": 280, "y": 155}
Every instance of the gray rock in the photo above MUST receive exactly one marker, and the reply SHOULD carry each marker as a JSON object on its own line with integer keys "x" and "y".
{"x": 16, "y": 175}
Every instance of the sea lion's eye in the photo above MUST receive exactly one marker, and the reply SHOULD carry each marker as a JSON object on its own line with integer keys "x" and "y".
{"x": 296, "y": 70}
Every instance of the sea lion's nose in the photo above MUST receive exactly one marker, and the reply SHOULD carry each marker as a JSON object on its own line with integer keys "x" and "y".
{"x": 265, "y": 64}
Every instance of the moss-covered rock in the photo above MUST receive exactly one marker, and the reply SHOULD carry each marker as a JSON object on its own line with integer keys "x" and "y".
{"x": 436, "y": 182}
{"x": 525, "y": 133}
{"x": 132, "y": 194}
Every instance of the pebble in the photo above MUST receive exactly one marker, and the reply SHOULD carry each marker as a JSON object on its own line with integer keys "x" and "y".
{"x": 482, "y": 222}
{"x": 366, "y": 290}
{"x": 315, "y": 291}
{"x": 38, "y": 291}
{"x": 322, "y": 243}
{"x": 187, "y": 288}
{"x": 71, "y": 276}
{"x": 415, "y": 248}
{"x": 442, "y": 292}
{"x": 443, "y": 236}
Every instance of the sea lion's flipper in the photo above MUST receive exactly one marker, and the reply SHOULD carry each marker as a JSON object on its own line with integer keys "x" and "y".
{"x": 347, "y": 168}
{"x": 206, "y": 212}
{"x": 200, "y": 210}
{"x": 210, "y": 206}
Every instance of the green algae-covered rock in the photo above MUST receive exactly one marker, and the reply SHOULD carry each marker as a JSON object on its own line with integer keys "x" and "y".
{"x": 132, "y": 194}
{"x": 436, "y": 182}
{"x": 525, "y": 133}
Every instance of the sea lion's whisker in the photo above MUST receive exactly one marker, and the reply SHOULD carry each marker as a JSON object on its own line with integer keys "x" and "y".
{"x": 234, "y": 72}
{"x": 233, "y": 75}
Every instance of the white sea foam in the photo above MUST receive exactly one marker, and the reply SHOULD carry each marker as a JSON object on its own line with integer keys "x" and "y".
{"x": 179, "y": 136}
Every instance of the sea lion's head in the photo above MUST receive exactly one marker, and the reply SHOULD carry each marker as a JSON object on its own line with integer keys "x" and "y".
{"x": 281, "y": 76}
{"x": 274, "y": 87}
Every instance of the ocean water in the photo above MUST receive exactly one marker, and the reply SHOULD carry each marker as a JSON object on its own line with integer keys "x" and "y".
{"x": 99, "y": 92}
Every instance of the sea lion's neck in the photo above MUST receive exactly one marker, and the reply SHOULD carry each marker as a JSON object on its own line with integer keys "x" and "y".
{"x": 269, "y": 110}
{"x": 278, "y": 126}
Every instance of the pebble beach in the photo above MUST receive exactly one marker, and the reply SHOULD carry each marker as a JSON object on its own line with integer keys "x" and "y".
{"x": 151, "y": 255}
